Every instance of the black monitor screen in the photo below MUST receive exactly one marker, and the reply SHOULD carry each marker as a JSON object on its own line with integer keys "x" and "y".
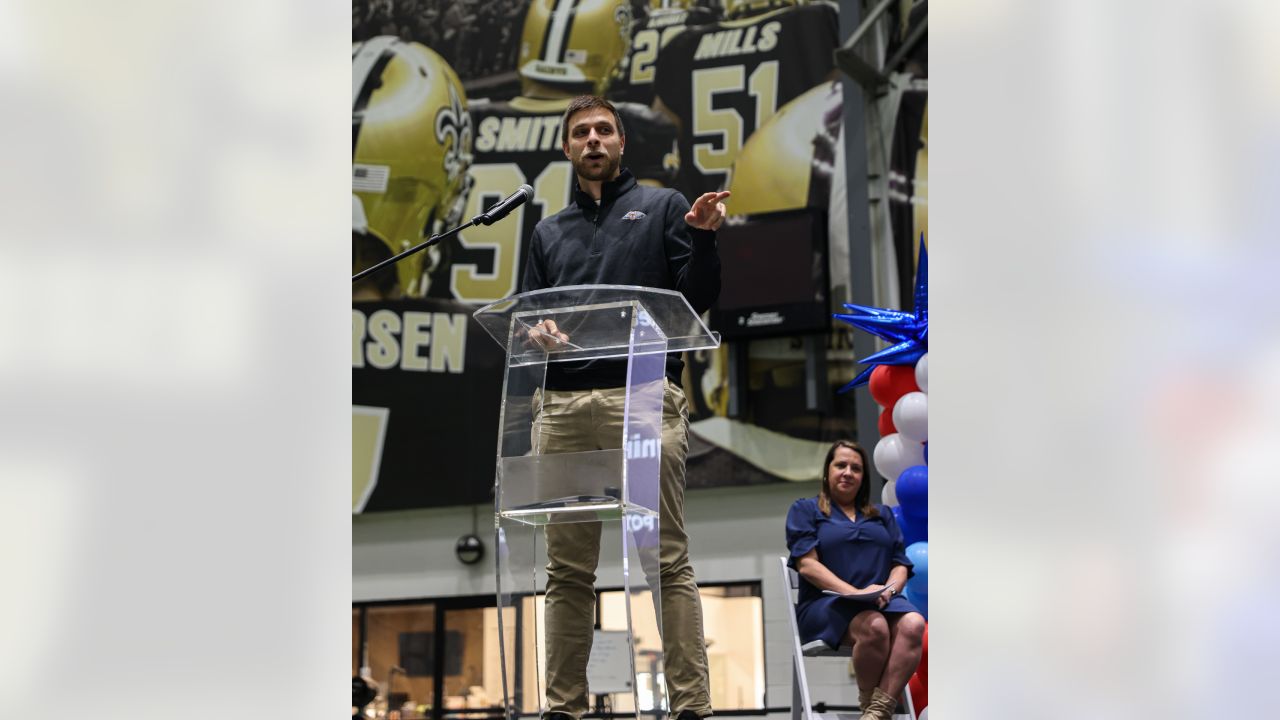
{"x": 773, "y": 275}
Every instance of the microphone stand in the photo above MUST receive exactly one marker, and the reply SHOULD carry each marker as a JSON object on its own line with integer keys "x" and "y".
{"x": 434, "y": 239}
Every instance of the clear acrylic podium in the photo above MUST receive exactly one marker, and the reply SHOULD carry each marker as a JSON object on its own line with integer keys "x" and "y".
{"x": 618, "y": 485}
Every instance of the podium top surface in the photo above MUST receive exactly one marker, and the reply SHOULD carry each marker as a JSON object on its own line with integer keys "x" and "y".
{"x": 593, "y": 317}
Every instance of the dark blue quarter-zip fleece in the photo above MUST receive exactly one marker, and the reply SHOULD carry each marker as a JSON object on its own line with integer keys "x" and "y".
{"x": 635, "y": 236}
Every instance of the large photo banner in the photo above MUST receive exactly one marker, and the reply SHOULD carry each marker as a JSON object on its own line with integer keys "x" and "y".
{"x": 426, "y": 384}
{"x": 456, "y": 103}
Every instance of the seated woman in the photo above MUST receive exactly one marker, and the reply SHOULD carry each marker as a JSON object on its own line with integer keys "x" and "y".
{"x": 839, "y": 541}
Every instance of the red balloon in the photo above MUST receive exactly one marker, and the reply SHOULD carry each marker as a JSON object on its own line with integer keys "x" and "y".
{"x": 886, "y": 422}
{"x": 919, "y": 694}
{"x": 923, "y": 668}
{"x": 919, "y": 682}
{"x": 890, "y": 382}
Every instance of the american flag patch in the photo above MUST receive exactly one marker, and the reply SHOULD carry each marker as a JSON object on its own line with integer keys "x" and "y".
{"x": 633, "y": 215}
{"x": 370, "y": 178}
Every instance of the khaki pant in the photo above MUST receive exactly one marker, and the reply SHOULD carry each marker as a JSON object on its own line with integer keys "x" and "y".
{"x": 577, "y": 421}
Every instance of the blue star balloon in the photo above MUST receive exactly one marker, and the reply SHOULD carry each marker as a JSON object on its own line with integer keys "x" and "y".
{"x": 908, "y": 331}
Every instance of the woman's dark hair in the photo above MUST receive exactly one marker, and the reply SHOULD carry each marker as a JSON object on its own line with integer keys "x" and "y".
{"x": 863, "y": 497}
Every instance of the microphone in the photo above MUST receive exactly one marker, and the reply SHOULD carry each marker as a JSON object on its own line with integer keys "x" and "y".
{"x": 504, "y": 208}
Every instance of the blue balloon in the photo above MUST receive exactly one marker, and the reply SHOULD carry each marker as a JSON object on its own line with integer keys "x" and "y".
{"x": 919, "y": 584}
{"x": 918, "y": 554}
{"x": 926, "y": 452}
{"x": 921, "y": 601}
{"x": 912, "y": 489}
{"x": 914, "y": 529}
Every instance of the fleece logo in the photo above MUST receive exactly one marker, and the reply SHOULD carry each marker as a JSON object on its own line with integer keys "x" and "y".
{"x": 633, "y": 215}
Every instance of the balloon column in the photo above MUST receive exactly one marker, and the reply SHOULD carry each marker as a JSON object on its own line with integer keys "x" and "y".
{"x": 898, "y": 378}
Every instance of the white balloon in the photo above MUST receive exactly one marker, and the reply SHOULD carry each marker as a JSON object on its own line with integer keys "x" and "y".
{"x": 922, "y": 372}
{"x": 911, "y": 416}
{"x": 886, "y": 454}
{"x": 889, "y": 496}
{"x": 894, "y": 453}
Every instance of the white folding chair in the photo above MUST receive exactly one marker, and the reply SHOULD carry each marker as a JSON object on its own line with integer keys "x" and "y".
{"x": 802, "y": 706}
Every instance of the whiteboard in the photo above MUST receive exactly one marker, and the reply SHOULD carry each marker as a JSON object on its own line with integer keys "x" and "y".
{"x": 609, "y": 667}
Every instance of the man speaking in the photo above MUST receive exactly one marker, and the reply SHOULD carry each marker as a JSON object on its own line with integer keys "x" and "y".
{"x": 618, "y": 232}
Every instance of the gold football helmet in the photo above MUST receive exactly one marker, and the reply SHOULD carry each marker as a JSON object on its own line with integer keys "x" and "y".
{"x": 734, "y": 9}
{"x": 781, "y": 160}
{"x": 411, "y": 140}
{"x": 920, "y": 200}
{"x": 573, "y": 46}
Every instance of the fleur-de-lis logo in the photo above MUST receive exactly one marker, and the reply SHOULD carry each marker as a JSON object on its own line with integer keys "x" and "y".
{"x": 453, "y": 132}
{"x": 625, "y": 19}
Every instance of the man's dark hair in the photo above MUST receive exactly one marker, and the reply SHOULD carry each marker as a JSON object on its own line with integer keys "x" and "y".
{"x": 588, "y": 102}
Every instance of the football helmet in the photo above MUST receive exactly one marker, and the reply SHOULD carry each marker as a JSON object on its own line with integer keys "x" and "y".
{"x": 573, "y": 46}
{"x": 734, "y": 9}
{"x": 789, "y": 160}
{"x": 920, "y": 199}
{"x": 411, "y": 139}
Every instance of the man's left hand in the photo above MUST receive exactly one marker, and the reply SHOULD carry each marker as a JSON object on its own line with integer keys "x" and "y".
{"x": 707, "y": 212}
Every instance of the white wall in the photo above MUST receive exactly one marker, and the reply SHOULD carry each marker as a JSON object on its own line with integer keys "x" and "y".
{"x": 734, "y": 534}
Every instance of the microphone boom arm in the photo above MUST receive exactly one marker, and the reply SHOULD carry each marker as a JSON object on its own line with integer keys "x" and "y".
{"x": 492, "y": 215}
{"x": 433, "y": 240}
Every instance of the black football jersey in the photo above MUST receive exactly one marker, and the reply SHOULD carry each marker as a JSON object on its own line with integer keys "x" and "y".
{"x": 650, "y": 36}
{"x": 724, "y": 80}
{"x": 518, "y": 142}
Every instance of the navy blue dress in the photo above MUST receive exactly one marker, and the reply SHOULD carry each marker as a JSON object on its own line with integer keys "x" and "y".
{"x": 860, "y": 551}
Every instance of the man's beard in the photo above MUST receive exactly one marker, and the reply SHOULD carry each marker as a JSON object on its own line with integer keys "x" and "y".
{"x": 605, "y": 172}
